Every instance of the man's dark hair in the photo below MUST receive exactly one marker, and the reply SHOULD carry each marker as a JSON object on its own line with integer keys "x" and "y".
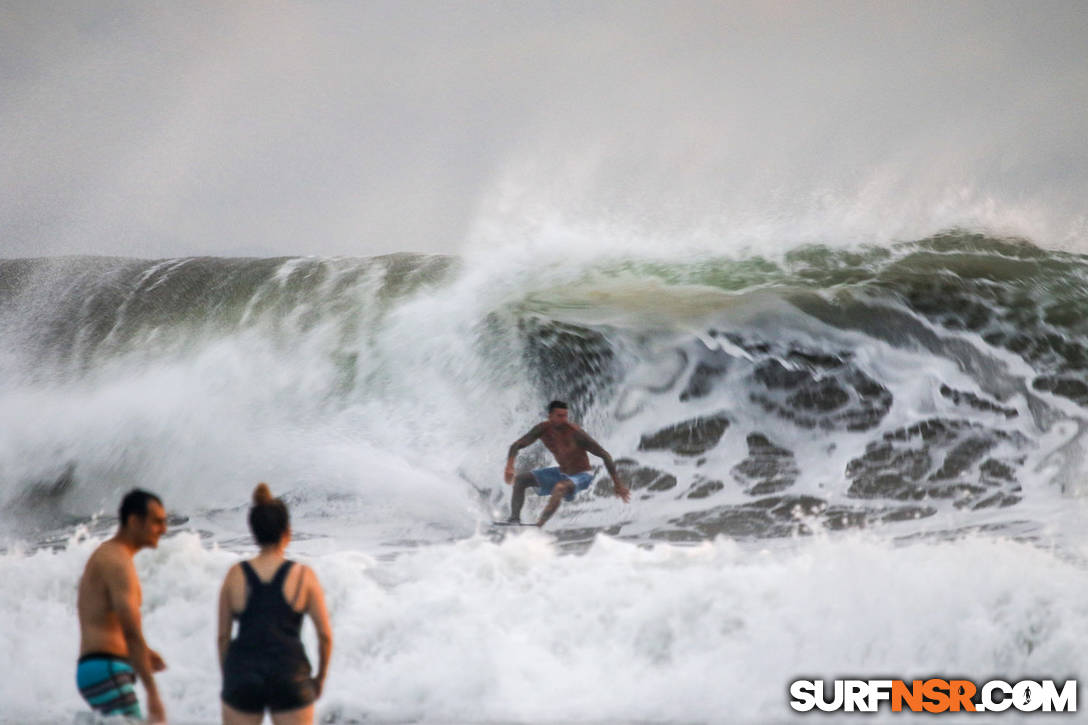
{"x": 135, "y": 503}
{"x": 268, "y": 518}
{"x": 557, "y": 404}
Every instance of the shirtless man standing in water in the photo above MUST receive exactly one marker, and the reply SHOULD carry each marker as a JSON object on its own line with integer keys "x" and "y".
{"x": 112, "y": 650}
{"x": 569, "y": 444}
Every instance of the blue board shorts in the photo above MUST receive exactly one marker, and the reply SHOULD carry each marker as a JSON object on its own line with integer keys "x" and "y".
{"x": 546, "y": 479}
{"x": 108, "y": 684}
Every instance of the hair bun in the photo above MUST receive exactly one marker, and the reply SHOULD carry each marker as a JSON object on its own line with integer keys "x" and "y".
{"x": 262, "y": 496}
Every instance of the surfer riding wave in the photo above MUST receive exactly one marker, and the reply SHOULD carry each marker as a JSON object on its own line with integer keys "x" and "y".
{"x": 570, "y": 446}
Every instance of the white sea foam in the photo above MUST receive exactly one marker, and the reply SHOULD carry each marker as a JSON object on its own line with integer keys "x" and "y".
{"x": 513, "y": 631}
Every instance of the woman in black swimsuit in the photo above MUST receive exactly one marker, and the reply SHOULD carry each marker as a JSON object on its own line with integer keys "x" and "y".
{"x": 265, "y": 666}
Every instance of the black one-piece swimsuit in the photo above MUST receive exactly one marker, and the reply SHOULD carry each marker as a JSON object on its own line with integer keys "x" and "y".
{"x": 266, "y": 666}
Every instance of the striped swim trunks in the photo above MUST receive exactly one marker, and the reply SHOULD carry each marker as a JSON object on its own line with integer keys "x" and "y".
{"x": 108, "y": 684}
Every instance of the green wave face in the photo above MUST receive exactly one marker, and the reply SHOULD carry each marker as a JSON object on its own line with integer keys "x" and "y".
{"x": 751, "y": 396}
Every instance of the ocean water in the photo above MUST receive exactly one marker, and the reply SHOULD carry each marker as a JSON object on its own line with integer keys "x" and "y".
{"x": 845, "y": 461}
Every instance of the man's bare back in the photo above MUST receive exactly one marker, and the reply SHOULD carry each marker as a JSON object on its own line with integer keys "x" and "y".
{"x": 99, "y": 625}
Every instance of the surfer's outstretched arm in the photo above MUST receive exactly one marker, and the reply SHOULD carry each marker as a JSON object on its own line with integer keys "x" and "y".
{"x": 595, "y": 448}
{"x": 524, "y": 442}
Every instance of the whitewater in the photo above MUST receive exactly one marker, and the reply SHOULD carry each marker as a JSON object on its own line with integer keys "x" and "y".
{"x": 845, "y": 461}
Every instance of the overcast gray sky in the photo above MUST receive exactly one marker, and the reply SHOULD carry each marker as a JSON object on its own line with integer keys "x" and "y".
{"x": 265, "y": 128}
